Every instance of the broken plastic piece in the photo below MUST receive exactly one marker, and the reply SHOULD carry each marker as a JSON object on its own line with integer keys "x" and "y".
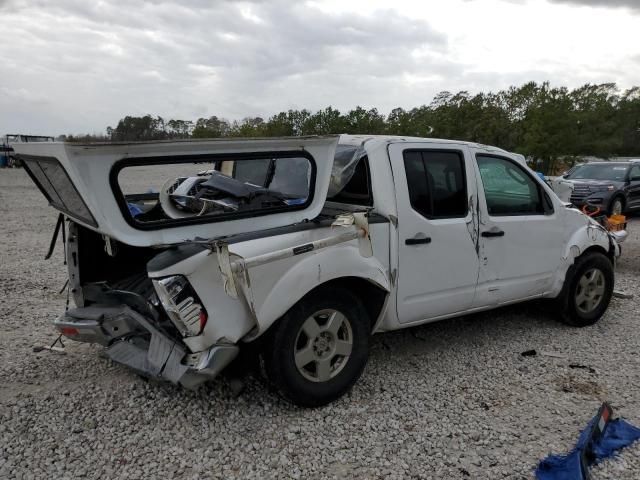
{"x": 619, "y": 294}
{"x": 553, "y": 355}
{"x": 583, "y": 367}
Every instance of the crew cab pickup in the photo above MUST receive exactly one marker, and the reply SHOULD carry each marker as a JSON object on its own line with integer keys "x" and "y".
{"x": 182, "y": 253}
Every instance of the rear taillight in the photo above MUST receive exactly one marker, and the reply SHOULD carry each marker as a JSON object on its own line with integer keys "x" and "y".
{"x": 69, "y": 331}
{"x": 182, "y": 304}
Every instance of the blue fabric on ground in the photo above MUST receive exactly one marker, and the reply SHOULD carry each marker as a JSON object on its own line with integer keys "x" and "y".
{"x": 617, "y": 435}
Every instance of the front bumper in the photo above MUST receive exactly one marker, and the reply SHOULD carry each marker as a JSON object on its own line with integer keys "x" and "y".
{"x": 132, "y": 340}
{"x": 600, "y": 199}
{"x": 619, "y": 236}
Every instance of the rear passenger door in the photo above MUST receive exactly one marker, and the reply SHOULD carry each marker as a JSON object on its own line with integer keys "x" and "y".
{"x": 438, "y": 263}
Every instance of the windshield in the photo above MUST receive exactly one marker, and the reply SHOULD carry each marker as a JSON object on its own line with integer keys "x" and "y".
{"x": 615, "y": 172}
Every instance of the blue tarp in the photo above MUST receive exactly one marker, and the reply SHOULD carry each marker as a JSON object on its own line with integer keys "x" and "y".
{"x": 617, "y": 434}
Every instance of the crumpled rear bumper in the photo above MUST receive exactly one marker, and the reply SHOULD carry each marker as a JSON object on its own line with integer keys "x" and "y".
{"x": 132, "y": 340}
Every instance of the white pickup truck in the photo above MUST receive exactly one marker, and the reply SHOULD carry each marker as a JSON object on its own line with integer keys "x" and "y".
{"x": 182, "y": 253}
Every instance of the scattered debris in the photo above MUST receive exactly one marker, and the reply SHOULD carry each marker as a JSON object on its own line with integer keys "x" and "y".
{"x": 61, "y": 349}
{"x": 576, "y": 385}
{"x": 553, "y": 355}
{"x": 619, "y": 294}
{"x": 584, "y": 367}
{"x": 529, "y": 353}
{"x": 40, "y": 348}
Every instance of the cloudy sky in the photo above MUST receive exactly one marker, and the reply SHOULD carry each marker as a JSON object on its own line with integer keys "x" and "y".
{"x": 73, "y": 66}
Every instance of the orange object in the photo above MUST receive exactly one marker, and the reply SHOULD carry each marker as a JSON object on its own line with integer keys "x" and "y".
{"x": 616, "y": 223}
{"x": 590, "y": 210}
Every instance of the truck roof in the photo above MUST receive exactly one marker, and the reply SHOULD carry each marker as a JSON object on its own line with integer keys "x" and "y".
{"x": 375, "y": 140}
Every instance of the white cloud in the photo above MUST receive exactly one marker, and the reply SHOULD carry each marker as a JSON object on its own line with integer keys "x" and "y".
{"x": 90, "y": 63}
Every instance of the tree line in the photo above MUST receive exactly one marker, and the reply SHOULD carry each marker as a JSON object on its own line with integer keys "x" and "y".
{"x": 540, "y": 121}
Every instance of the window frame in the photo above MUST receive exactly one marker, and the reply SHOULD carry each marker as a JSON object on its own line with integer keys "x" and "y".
{"x": 465, "y": 183}
{"x": 545, "y": 200}
{"x": 212, "y": 158}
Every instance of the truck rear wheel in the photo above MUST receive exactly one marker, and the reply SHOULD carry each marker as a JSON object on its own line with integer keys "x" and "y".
{"x": 319, "y": 348}
{"x": 588, "y": 291}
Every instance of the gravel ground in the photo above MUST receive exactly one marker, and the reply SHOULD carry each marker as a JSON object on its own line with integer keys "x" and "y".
{"x": 448, "y": 400}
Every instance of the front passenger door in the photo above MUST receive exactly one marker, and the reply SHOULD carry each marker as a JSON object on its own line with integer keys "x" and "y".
{"x": 522, "y": 237}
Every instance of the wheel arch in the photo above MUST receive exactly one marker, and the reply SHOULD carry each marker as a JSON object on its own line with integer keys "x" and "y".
{"x": 343, "y": 267}
{"x": 587, "y": 236}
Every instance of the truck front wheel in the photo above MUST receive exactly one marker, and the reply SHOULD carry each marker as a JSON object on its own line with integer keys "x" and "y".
{"x": 319, "y": 348}
{"x": 588, "y": 290}
{"x": 617, "y": 206}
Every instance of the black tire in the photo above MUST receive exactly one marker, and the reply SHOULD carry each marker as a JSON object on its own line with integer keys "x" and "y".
{"x": 613, "y": 207}
{"x": 580, "y": 306}
{"x": 287, "y": 339}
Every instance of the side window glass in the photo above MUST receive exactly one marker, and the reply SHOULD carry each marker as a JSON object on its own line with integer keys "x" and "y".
{"x": 507, "y": 187}
{"x": 437, "y": 183}
{"x": 635, "y": 173}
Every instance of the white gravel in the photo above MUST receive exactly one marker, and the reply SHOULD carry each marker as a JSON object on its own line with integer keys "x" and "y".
{"x": 448, "y": 400}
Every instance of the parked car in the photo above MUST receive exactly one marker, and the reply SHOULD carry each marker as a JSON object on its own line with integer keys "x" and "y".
{"x": 182, "y": 253}
{"x": 614, "y": 187}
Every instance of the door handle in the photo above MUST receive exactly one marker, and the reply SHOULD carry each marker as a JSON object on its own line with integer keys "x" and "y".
{"x": 417, "y": 240}
{"x": 493, "y": 233}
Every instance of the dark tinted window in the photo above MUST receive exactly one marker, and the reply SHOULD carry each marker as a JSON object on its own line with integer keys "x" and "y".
{"x": 509, "y": 190}
{"x": 436, "y": 181}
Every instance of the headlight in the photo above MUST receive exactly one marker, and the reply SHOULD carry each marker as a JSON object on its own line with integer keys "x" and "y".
{"x": 182, "y": 304}
{"x": 601, "y": 188}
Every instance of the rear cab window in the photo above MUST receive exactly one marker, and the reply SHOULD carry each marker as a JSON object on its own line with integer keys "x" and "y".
{"x": 350, "y": 177}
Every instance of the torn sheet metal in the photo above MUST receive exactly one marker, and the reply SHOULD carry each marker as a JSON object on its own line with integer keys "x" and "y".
{"x": 162, "y": 359}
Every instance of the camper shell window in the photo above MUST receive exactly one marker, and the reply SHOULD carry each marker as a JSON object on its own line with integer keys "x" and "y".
{"x": 162, "y": 192}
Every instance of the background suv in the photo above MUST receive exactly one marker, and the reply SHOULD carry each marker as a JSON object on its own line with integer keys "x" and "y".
{"x": 612, "y": 186}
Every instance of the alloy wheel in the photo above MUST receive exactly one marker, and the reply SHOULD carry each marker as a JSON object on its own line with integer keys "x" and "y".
{"x": 590, "y": 290}
{"x": 323, "y": 345}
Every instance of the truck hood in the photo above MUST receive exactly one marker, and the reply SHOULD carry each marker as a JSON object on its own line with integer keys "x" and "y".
{"x": 586, "y": 181}
{"x": 77, "y": 180}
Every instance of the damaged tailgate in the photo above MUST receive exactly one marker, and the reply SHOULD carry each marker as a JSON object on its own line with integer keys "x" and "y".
{"x": 165, "y": 192}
